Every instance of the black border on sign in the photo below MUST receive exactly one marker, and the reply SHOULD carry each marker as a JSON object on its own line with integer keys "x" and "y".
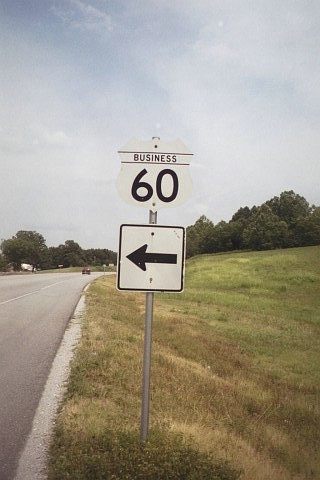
{"x": 164, "y": 164}
{"x": 151, "y": 289}
{"x": 155, "y": 151}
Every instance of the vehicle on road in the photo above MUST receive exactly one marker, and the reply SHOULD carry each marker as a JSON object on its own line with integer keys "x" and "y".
{"x": 86, "y": 271}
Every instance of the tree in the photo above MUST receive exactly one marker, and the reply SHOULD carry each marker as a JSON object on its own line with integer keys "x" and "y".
{"x": 284, "y": 221}
{"x": 238, "y": 223}
{"x": 265, "y": 231}
{"x": 289, "y": 207}
{"x": 307, "y": 230}
{"x": 24, "y": 247}
{"x": 3, "y": 263}
{"x": 69, "y": 255}
{"x": 99, "y": 256}
{"x": 219, "y": 239}
{"x": 244, "y": 213}
{"x": 198, "y": 236}
{"x": 236, "y": 233}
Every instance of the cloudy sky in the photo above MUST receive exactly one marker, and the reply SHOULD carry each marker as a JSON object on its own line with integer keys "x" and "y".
{"x": 238, "y": 81}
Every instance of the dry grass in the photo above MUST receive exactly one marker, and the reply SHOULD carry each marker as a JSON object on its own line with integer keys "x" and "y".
{"x": 235, "y": 364}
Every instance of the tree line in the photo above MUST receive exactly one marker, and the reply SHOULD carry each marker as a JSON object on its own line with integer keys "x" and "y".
{"x": 30, "y": 247}
{"x": 282, "y": 222}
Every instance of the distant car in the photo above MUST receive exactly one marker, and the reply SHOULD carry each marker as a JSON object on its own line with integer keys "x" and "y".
{"x": 86, "y": 271}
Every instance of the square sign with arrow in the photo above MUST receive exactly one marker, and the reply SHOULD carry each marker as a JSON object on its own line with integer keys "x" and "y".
{"x": 151, "y": 258}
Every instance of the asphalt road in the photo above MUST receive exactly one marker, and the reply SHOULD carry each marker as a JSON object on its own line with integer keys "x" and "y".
{"x": 34, "y": 313}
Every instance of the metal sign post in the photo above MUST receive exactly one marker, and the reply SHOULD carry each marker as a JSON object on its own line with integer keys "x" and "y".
{"x": 144, "y": 427}
{"x": 153, "y": 175}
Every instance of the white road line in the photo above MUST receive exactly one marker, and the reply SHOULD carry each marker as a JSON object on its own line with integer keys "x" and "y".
{"x": 17, "y": 298}
{"x": 31, "y": 293}
{"x": 52, "y": 285}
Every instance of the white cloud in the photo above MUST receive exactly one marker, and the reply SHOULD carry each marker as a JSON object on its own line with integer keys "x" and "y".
{"x": 58, "y": 138}
{"x": 247, "y": 98}
{"x": 83, "y": 15}
{"x": 237, "y": 81}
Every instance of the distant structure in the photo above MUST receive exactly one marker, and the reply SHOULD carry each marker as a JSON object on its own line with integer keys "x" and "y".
{"x": 26, "y": 267}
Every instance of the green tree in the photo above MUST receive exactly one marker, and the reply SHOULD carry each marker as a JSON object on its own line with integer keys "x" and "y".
{"x": 265, "y": 230}
{"x": 99, "y": 256}
{"x": 3, "y": 263}
{"x": 69, "y": 255}
{"x": 284, "y": 221}
{"x": 243, "y": 214}
{"x": 73, "y": 254}
{"x": 24, "y": 247}
{"x": 239, "y": 221}
{"x": 219, "y": 238}
{"x": 198, "y": 236}
{"x": 47, "y": 260}
{"x": 289, "y": 207}
{"x": 307, "y": 230}
{"x": 236, "y": 229}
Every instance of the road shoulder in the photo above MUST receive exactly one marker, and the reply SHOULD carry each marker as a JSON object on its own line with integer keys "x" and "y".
{"x": 32, "y": 463}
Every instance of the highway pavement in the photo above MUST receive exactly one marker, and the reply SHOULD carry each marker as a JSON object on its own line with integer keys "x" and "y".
{"x": 34, "y": 312}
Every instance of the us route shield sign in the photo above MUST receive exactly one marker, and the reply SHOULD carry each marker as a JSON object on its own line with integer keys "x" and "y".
{"x": 151, "y": 258}
{"x": 155, "y": 174}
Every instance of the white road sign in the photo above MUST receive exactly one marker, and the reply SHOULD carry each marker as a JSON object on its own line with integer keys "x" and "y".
{"x": 155, "y": 174}
{"x": 151, "y": 258}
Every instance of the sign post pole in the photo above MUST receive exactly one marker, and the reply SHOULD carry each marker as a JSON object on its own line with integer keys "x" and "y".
{"x": 147, "y": 355}
{"x": 153, "y": 175}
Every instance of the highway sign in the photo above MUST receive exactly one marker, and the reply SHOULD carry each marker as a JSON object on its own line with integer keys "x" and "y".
{"x": 151, "y": 258}
{"x": 155, "y": 174}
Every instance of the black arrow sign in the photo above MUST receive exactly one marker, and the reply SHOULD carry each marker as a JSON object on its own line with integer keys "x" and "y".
{"x": 140, "y": 257}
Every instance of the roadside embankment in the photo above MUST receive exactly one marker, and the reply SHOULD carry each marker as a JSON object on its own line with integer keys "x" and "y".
{"x": 235, "y": 376}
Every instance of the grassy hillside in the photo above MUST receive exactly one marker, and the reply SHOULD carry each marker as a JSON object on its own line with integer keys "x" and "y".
{"x": 236, "y": 371}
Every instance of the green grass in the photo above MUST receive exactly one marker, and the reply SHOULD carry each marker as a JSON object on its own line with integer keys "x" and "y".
{"x": 235, "y": 376}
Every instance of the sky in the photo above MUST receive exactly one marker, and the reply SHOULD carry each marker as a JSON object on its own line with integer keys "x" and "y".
{"x": 237, "y": 81}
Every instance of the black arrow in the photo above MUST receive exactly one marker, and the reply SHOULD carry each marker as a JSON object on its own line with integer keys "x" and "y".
{"x": 140, "y": 257}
